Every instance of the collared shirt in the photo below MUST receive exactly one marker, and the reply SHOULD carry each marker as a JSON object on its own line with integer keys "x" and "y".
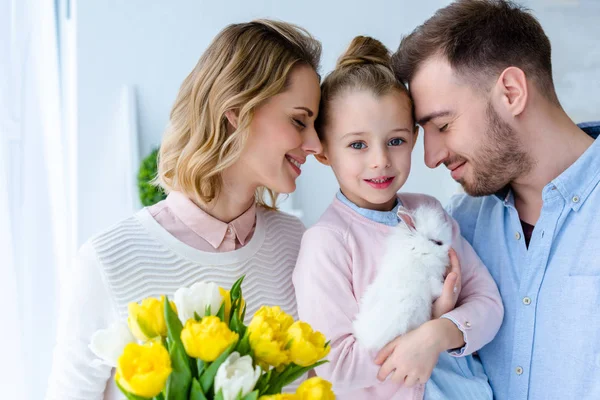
{"x": 549, "y": 344}
{"x": 389, "y": 218}
{"x": 183, "y": 219}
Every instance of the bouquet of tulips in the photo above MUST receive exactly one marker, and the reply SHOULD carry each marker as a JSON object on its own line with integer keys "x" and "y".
{"x": 197, "y": 347}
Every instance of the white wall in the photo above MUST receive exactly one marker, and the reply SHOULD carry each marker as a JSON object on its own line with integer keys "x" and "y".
{"x": 154, "y": 44}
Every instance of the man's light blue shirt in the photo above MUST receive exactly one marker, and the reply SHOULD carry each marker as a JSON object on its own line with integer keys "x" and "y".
{"x": 549, "y": 344}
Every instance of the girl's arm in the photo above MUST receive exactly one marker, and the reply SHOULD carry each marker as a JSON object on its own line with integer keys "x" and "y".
{"x": 323, "y": 283}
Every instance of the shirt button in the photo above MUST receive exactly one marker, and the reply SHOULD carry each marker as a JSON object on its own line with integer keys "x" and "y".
{"x": 575, "y": 199}
{"x": 468, "y": 324}
{"x": 228, "y": 230}
{"x": 517, "y": 235}
{"x": 519, "y": 370}
{"x": 526, "y": 301}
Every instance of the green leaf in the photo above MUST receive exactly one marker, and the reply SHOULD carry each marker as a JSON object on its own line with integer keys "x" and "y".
{"x": 193, "y": 367}
{"x": 179, "y": 381}
{"x": 159, "y": 397}
{"x": 197, "y": 317}
{"x": 291, "y": 373}
{"x": 146, "y": 330}
{"x": 263, "y": 382}
{"x": 243, "y": 346}
{"x": 292, "y": 377}
{"x": 207, "y": 311}
{"x": 201, "y": 365}
{"x": 196, "y": 392}
{"x": 130, "y": 396}
{"x": 174, "y": 326}
{"x": 236, "y": 289}
{"x": 277, "y": 379}
{"x": 208, "y": 377}
{"x": 221, "y": 313}
{"x": 243, "y": 313}
{"x": 219, "y": 395}
{"x": 237, "y": 325}
{"x": 251, "y": 396}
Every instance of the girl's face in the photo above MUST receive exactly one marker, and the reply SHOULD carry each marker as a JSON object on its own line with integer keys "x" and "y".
{"x": 282, "y": 135}
{"x": 368, "y": 144}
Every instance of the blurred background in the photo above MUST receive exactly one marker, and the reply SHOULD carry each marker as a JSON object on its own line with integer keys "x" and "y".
{"x": 86, "y": 89}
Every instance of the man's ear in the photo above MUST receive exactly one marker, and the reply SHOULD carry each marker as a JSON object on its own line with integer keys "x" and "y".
{"x": 511, "y": 87}
{"x": 232, "y": 117}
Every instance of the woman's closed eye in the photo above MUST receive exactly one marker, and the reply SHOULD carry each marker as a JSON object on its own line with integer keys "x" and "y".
{"x": 298, "y": 123}
{"x": 443, "y": 128}
{"x": 396, "y": 142}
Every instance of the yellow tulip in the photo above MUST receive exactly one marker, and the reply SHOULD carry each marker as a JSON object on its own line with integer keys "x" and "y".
{"x": 268, "y": 336}
{"x": 315, "y": 389}
{"x": 227, "y": 300}
{"x": 147, "y": 320}
{"x": 280, "y": 396}
{"x": 306, "y": 346}
{"x": 143, "y": 369}
{"x": 207, "y": 339}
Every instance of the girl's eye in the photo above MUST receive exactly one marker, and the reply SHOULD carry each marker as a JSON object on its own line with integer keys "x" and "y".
{"x": 298, "y": 123}
{"x": 396, "y": 142}
{"x": 358, "y": 145}
{"x": 443, "y": 128}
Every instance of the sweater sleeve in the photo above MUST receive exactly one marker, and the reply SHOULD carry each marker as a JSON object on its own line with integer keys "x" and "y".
{"x": 480, "y": 311}
{"x": 86, "y": 306}
{"x": 323, "y": 284}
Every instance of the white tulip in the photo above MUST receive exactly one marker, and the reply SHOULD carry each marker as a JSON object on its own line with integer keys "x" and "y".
{"x": 236, "y": 376}
{"x": 196, "y": 298}
{"x": 108, "y": 344}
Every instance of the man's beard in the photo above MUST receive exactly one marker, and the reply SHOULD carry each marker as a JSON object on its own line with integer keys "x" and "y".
{"x": 500, "y": 160}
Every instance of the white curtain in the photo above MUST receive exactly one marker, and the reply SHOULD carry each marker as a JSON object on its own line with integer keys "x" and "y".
{"x": 36, "y": 235}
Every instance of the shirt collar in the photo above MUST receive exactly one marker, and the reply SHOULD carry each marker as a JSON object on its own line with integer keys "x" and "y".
{"x": 243, "y": 224}
{"x": 205, "y": 225}
{"x": 389, "y": 218}
{"x": 577, "y": 182}
{"x": 505, "y": 195}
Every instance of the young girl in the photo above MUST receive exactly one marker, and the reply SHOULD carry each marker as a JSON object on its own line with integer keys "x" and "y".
{"x": 243, "y": 121}
{"x": 368, "y": 132}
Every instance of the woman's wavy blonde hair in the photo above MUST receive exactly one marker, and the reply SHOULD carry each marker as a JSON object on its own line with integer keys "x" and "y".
{"x": 245, "y": 65}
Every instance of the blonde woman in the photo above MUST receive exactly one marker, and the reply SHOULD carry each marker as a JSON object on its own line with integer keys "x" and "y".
{"x": 241, "y": 127}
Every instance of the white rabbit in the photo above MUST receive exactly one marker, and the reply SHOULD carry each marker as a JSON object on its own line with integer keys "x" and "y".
{"x": 411, "y": 277}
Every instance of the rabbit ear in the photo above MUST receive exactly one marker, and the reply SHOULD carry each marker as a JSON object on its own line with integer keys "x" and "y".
{"x": 405, "y": 216}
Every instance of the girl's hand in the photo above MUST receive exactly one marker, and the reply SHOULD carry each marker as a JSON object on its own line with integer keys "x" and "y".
{"x": 410, "y": 358}
{"x": 452, "y": 285}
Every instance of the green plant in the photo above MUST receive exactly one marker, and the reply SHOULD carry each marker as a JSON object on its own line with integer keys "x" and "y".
{"x": 149, "y": 193}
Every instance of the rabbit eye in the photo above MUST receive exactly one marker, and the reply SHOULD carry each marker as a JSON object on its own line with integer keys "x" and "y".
{"x": 436, "y": 242}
